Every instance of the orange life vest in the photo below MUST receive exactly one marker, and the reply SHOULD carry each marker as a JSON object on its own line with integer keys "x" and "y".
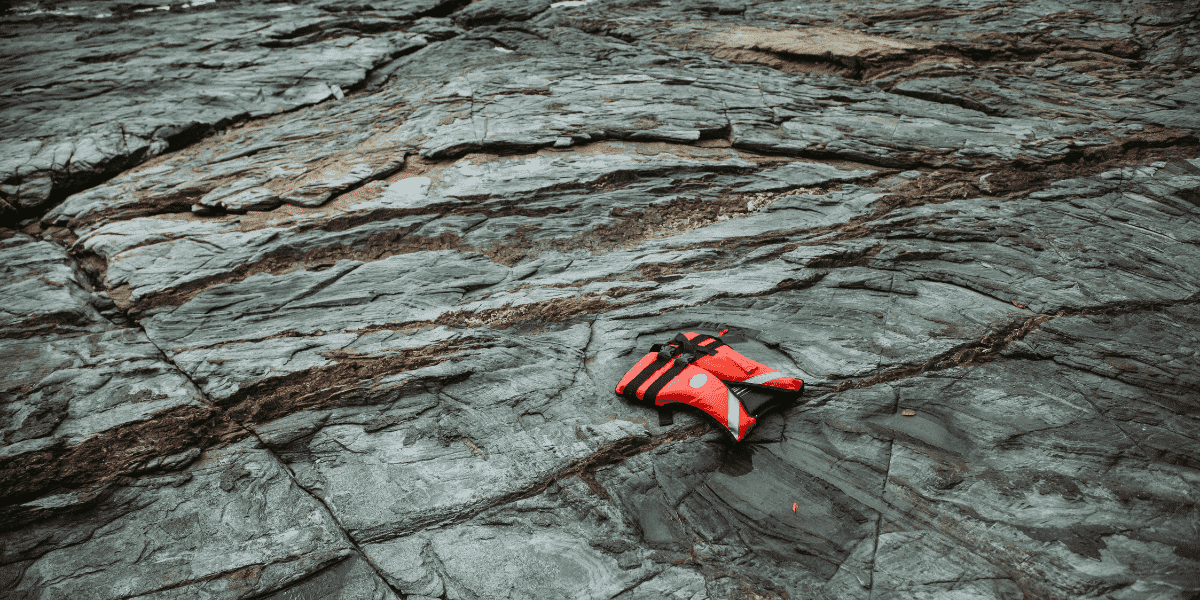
{"x": 731, "y": 366}
{"x": 662, "y": 378}
{"x": 704, "y": 372}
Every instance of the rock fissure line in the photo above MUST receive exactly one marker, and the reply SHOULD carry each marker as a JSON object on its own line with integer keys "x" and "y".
{"x": 887, "y": 474}
{"x": 878, "y": 533}
{"x": 991, "y": 345}
{"x": 382, "y": 574}
{"x": 244, "y": 570}
{"x": 607, "y": 454}
{"x": 1034, "y": 138}
{"x": 68, "y": 183}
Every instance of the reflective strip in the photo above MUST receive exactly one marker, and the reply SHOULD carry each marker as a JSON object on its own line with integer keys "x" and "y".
{"x": 765, "y": 377}
{"x": 734, "y": 405}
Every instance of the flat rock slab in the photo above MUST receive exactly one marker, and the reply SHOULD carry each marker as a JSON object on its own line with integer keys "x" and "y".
{"x": 234, "y": 525}
{"x": 330, "y": 301}
{"x": 131, "y": 96}
{"x": 74, "y": 378}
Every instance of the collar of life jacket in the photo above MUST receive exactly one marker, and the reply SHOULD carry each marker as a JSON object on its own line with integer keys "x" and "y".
{"x": 684, "y": 350}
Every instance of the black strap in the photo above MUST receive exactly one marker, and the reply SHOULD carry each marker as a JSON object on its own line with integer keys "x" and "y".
{"x": 700, "y": 339}
{"x": 759, "y": 399}
{"x": 677, "y": 349}
{"x": 661, "y": 382}
{"x": 690, "y": 346}
{"x": 666, "y": 415}
{"x": 631, "y": 387}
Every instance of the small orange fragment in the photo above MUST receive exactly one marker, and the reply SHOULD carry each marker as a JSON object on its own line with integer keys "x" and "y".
{"x": 723, "y": 332}
{"x": 1016, "y": 304}
{"x": 795, "y": 505}
{"x": 908, "y": 412}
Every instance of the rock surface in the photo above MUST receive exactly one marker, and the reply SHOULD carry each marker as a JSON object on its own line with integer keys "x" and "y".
{"x": 328, "y": 301}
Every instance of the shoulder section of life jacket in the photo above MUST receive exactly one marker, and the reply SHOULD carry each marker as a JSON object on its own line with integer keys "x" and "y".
{"x": 660, "y": 380}
{"x": 731, "y": 366}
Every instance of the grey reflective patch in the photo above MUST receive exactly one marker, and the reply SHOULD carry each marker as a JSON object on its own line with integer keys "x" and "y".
{"x": 734, "y": 405}
{"x": 765, "y": 377}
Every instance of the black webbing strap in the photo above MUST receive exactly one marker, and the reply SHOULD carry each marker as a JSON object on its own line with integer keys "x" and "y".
{"x": 700, "y": 339}
{"x": 758, "y": 399}
{"x": 666, "y": 415}
{"x": 684, "y": 346}
{"x": 692, "y": 347}
{"x": 632, "y": 387}
{"x": 661, "y": 382}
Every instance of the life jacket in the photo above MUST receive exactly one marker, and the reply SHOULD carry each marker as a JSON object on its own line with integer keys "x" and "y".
{"x": 704, "y": 372}
{"x": 713, "y": 354}
{"x": 661, "y": 378}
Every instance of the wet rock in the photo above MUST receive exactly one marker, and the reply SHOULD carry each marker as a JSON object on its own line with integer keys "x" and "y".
{"x": 132, "y": 98}
{"x": 182, "y": 524}
{"x": 330, "y": 301}
{"x": 491, "y": 11}
{"x": 436, "y": 29}
{"x": 74, "y": 378}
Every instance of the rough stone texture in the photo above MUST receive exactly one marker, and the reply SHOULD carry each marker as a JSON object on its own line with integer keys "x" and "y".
{"x": 328, "y": 300}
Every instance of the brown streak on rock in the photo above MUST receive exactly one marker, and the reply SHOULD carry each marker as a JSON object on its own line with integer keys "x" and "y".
{"x": 853, "y": 259}
{"x": 106, "y": 456}
{"x": 507, "y": 316}
{"x": 287, "y": 260}
{"x": 321, "y": 387}
{"x": 589, "y": 478}
{"x": 1009, "y": 182}
{"x": 609, "y": 454}
{"x": 990, "y": 346}
{"x": 62, "y": 322}
{"x": 973, "y": 353}
{"x": 549, "y": 311}
{"x": 177, "y": 202}
{"x": 1152, "y": 144}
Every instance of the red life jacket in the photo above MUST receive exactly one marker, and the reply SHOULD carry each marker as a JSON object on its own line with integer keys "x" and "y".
{"x": 704, "y": 372}
{"x": 730, "y": 365}
{"x": 661, "y": 378}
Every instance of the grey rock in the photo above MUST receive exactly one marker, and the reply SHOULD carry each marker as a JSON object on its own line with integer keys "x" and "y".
{"x": 436, "y": 29}
{"x": 132, "y": 98}
{"x": 282, "y": 535}
{"x": 331, "y": 300}
{"x": 491, "y": 11}
{"x": 350, "y": 579}
{"x": 532, "y": 548}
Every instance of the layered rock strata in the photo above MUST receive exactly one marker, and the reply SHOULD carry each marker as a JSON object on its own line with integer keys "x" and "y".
{"x": 329, "y": 301}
